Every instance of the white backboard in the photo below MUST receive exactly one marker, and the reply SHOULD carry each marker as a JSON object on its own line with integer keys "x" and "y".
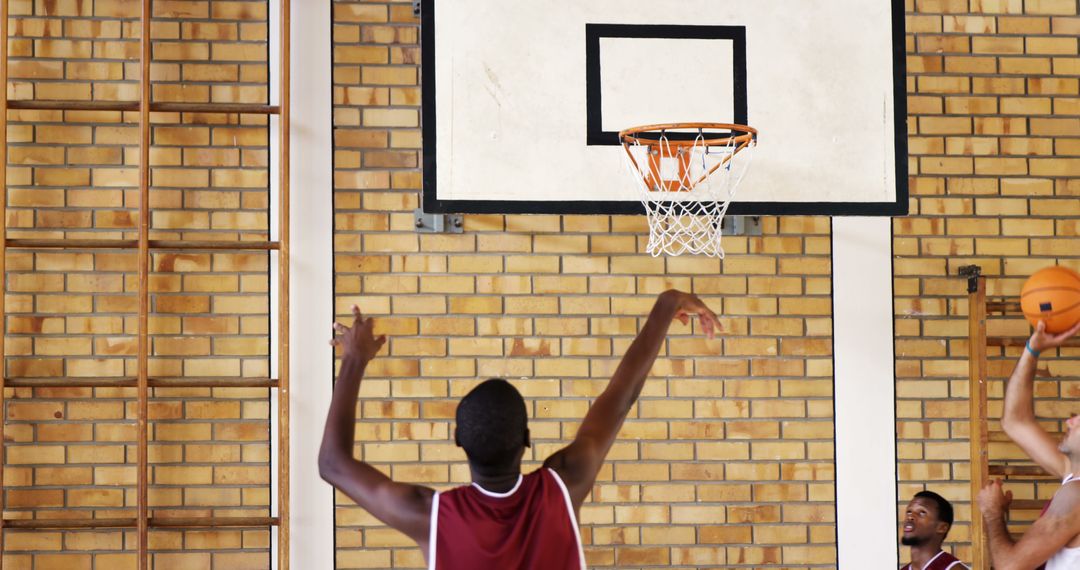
{"x": 522, "y": 101}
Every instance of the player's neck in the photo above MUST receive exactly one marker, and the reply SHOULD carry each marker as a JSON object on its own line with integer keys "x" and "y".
{"x": 922, "y": 554}
{"x": 497, "y": 482}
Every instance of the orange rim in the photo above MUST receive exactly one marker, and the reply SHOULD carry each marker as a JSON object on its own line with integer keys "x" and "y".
{"x": 748, "y": 134}
{"x": 663, "y": 146}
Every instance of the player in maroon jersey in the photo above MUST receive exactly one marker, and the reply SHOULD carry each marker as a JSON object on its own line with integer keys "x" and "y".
{"x": 504, "y": 519}
{"x": 927, "y": 521}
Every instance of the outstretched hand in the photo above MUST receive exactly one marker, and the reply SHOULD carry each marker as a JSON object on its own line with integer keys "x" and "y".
{"x": 688, "y": 304}
{"x": 992, "y": 501}
{"x": 1042, "y": 340}
{"x": 359, "y": 340}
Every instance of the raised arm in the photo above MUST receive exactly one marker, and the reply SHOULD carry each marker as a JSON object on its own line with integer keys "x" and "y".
{"x": 578, "y": 463}
{"x": 1047, "y": 535}
{"x": 1018, "y": 417}
{"x": 402, "y": 506}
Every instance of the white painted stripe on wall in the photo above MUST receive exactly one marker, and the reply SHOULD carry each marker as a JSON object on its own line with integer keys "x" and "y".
{"x": 311, "y": 287}
{"x": 864, "y": 392}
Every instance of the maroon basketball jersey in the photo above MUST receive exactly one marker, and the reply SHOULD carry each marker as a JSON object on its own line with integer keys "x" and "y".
{"x": 942, "y": 561}
{"x": 530, "y": 527}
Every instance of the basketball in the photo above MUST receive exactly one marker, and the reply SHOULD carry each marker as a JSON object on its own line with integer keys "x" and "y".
{"x": 1052, "y": 295}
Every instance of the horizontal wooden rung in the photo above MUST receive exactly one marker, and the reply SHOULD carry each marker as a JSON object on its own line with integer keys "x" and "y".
{"x": 1000, "y": 436}
{"x": 69, "y": 523}
{"x": 1021, "y": 341}
{"x": 33, "y": 243}
{"x": 65, "y": 105}
{"x": 1003, "y": 306}
{"x": 1018, "y": 471}
{"x": 131, "y": 382}
{"x": 132, "y": 106}
{"x": 69, "y": 382}
{"x": 214, "y": 382}
{"x": 226, "y": 245}
{"x": 154, "y": 522}
{"x": 245, "y": 108}
{"x": 211, "y": 522}
{"x": 1028, "y": 504}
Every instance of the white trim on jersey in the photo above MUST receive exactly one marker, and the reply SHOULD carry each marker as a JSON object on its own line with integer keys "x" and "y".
{"x": 931, "y": 561}
{"x": 501, "y": 495}
{"x": 573, "y": 518}
{"x": 434, "y": 532}
{"x": 949, "y": 567}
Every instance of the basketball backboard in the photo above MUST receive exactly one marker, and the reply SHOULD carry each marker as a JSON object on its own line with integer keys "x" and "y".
{"x": 522, "y": 101}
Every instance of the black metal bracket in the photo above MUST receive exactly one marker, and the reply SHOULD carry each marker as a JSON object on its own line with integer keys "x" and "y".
{"x": 416, "y": 8}
{"x": 972, "y": 273}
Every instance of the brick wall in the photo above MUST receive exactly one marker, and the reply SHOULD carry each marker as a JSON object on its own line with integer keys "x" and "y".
{"x": 994, "y": 123}
{"x": 73, "y": 313}
{"x": 727, "y": 461}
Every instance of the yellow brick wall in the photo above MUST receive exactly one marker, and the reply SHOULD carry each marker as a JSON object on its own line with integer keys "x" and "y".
{"x": 994, "y": 124}
{"x": 727, "y": 461}
{"x": 72, "y": 313}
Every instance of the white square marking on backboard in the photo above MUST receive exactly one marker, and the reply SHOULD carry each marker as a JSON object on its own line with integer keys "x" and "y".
{"x": 643, "y": 78}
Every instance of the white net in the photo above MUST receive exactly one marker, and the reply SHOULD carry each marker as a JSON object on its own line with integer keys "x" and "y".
{"x": 687, "y": 183}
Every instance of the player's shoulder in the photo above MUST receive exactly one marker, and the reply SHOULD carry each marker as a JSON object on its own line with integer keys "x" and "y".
{"x": 1067, "y": 498}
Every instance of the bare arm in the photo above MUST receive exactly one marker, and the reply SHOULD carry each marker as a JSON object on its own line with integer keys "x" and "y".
{"x": 1018, "y": 418}
{"x": 578, "y": 463}
{"x": 402, "y": 506}
{"x": 1049, "y": 534}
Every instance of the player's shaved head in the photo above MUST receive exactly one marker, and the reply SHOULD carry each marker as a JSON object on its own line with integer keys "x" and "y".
{"x": 492, "y": 425}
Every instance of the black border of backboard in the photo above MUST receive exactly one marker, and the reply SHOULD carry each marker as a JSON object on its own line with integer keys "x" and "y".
{"x": 594, "y": 115}
{"x": 432, "y": 204}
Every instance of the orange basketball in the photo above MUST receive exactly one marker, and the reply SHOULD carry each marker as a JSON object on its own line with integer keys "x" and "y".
{"x": 1052, "y": 295}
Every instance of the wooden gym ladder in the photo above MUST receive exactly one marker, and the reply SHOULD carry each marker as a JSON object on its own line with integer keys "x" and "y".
{"x": 143, "y": 382}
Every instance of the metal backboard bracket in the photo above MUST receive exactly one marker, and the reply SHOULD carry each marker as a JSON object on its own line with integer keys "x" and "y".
{"x": 438, "y": 223}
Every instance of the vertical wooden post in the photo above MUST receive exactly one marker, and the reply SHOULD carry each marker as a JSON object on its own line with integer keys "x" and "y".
{"x": 3, "y": 258}
{"x": 143, "y": 356}
{"x": 980, "y": 554}
{"x": 283, "y": 296}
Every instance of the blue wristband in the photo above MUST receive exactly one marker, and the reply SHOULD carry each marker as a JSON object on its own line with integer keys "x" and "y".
{"x": 1033, "y": 352}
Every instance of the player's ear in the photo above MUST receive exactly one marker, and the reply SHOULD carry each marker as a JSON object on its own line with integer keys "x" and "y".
{"x": 943, "y": 527}
{"x": 457, "y": 440}
{"x": 527, "y": 442}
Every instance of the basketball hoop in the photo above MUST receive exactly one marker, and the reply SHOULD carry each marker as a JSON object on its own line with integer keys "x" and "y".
{"x": 687, "y": 174}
